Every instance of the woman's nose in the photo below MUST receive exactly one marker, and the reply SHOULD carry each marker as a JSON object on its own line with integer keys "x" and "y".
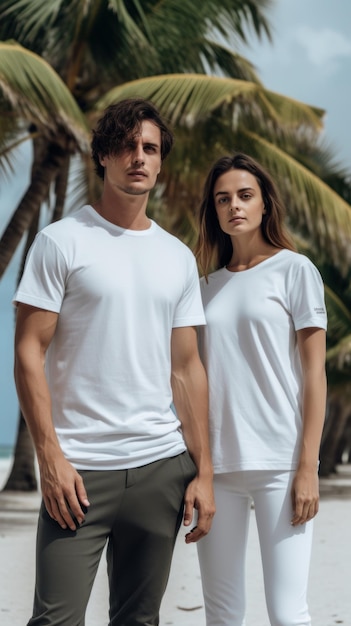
{"x": 234, "y": 204}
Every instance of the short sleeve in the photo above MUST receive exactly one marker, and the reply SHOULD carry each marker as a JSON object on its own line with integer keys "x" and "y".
{"x": 307, "y": 297}
{"x": 43, "y": 282}
{"x": 189, "y": 311}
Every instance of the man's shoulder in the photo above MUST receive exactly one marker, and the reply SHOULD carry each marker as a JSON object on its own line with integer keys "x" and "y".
{"x": 67, "y": 223}
{"x": 172, "y": 240}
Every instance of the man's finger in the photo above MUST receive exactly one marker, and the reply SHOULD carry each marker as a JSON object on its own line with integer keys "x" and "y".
{"x": 188, "y": 514}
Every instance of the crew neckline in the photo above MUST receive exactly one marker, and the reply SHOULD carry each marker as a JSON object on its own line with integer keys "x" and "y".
{"x": 250, "y": 269}
{"x": 125, "y": 231}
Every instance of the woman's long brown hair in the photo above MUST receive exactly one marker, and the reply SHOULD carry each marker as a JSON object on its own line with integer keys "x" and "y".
{"x": 214, "y": 248}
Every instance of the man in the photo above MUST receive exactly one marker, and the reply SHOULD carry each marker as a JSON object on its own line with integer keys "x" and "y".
{"x": 108, "y": 303}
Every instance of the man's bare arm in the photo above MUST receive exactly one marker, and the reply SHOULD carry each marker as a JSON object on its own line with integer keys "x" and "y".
{"x": 190, "y": 396}
{"x": 61, "y": 485}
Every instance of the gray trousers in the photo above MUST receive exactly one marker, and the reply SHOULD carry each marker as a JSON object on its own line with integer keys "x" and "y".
{"x": 138, "y": 513}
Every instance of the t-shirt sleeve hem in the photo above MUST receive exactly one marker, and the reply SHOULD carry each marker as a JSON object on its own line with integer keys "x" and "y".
{"x": 198, "y": 320}
{"x": 39, "y": 303}
{"x": 311, "y": 323}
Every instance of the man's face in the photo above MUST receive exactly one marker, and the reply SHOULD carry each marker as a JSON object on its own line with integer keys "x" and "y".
{"x": 135, "y": 170}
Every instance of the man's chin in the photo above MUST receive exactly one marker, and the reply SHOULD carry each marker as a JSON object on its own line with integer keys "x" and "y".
{"x": 136, "y": 190}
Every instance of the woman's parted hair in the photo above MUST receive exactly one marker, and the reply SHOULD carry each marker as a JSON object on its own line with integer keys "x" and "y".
{"x": 119, "y": 124}
{"x": 214, "y": 248}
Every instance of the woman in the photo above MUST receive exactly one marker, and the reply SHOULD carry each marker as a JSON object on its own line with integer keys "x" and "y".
{"x": 264, "y": 351}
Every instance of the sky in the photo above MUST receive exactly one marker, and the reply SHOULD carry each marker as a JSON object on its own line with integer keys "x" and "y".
{"x": 309, "y": 60}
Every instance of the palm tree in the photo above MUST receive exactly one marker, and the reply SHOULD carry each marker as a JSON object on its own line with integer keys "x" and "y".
{"x": 72, "y": 58}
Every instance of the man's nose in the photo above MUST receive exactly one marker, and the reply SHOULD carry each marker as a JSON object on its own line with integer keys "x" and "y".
{"x": 138, "y": 155}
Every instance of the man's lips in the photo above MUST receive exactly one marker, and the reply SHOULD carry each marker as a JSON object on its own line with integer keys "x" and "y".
{"x": 138, "y": 173}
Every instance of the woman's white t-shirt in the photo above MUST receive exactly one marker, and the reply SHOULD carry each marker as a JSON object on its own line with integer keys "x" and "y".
{"x": 249, "y": 348}
{"x": 119, "y": 293}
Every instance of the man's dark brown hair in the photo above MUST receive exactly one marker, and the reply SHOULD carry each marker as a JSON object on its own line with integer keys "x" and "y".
{"x": 119, "y": 124}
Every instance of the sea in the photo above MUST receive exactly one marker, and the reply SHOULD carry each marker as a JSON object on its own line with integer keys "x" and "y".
{"x": 6, "y": 456}
{"x": 6, "y": 452}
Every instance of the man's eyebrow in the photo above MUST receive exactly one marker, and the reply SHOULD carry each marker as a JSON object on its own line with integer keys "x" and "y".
{"x": 151, "y": 143}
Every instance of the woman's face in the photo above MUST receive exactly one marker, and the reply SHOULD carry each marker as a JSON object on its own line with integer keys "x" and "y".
{"x": 238, "y": 202}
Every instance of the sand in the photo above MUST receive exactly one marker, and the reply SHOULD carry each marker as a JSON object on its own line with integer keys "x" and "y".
{"x": 329, "y": 592}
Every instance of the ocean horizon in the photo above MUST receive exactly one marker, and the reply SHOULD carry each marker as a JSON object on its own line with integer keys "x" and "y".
{"x": 6, "y": 452}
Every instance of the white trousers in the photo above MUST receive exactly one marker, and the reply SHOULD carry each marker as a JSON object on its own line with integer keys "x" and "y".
{"x": 285, "y": 550}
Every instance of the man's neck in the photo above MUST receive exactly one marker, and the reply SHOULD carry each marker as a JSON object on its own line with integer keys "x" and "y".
{"x": 125, "y": 212}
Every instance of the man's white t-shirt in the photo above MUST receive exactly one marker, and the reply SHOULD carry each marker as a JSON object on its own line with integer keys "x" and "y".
{"x": 250, "y": 351}
{"x": 119, "y": 293}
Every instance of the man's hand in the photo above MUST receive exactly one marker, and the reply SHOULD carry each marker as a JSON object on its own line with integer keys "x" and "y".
{"x": 199, "y": 496}
{"x": 63, "y": 492}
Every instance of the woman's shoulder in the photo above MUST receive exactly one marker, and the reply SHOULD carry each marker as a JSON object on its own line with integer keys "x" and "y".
{"x": 299, "y": 269}
{"x": 294, "y": 258}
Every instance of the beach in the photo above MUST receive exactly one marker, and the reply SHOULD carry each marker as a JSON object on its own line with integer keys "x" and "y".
{"x": 329, "y": 591}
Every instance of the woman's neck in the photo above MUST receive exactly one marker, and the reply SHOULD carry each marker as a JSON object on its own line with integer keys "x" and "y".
{"x": 245, "y": 256}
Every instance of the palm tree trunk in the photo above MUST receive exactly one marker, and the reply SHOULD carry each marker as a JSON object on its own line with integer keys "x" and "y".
{"x": 33, "y": 229}
{"x": 44, "y": 173}
{"x": 339, "y": 412}
{"x": 22, "y": 476}
{"x": 61, "y": 184}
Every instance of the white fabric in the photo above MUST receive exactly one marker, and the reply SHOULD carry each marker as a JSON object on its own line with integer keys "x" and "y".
{"x": 119, "y": 294}
{"x": 250, "y": 352}
{"x": 285, "y": 550}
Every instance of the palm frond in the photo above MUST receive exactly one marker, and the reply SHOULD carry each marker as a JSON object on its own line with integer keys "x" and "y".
{"x": 222, "y": 60}
{"x": 8, "y": 149}
{"x": 312, "y": 205}
{"x": 132, "y": 38}
{"x": 339, "y": 316}
{"x": 238, "y": 18}
{"x": 38, "y": 94}
{"x": 26, "y": 19}
{"x": 189, "y": 98}
{"x": 294, "y": 112}
{"x": 339, "y": 356}
{"x": 135, "y": 34}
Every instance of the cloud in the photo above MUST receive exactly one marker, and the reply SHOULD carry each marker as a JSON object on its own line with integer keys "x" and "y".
{"x": 323, "y": 47}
